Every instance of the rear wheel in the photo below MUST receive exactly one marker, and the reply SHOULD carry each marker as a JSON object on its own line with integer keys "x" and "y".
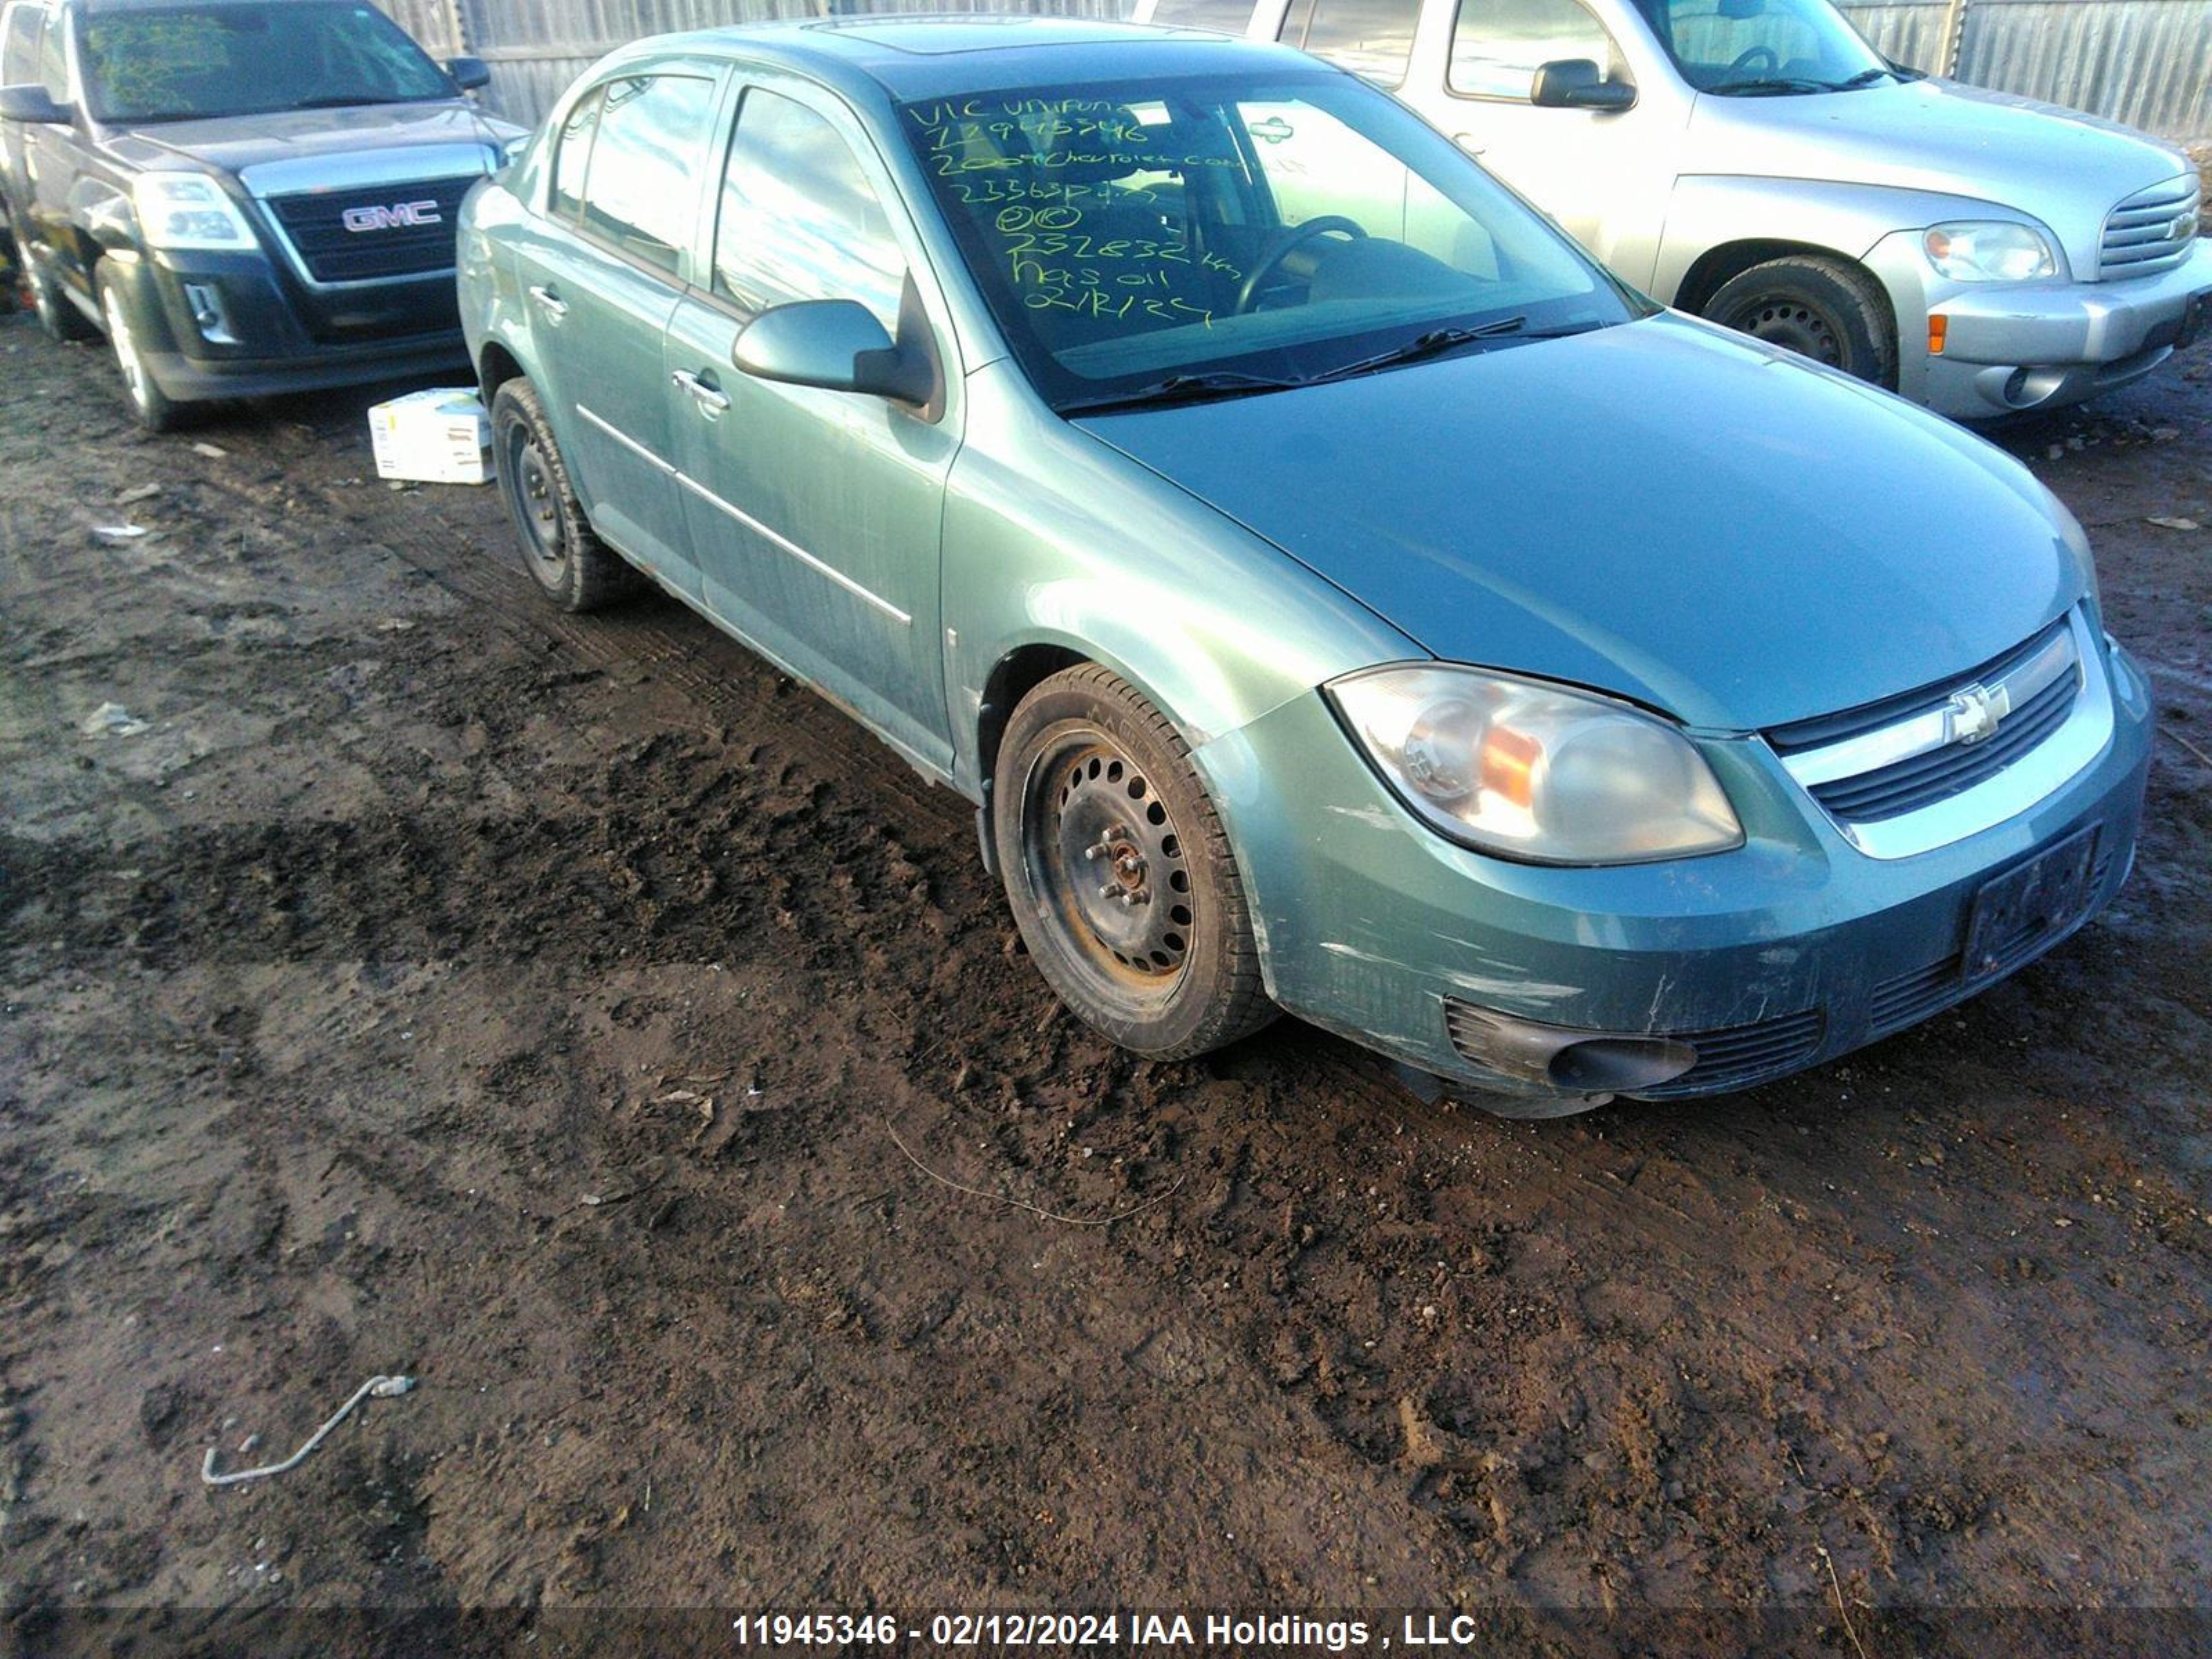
{"x": 58, "y": 313}
{"x": 126, "y": 337}
{"x": 1825, "y": 309}
{"x": 1120, "y": 874}
{"x": 578, "y": 571}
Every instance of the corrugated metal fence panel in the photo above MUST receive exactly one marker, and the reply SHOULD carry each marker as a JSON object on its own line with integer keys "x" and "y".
{"x": 1911, "y": 34}
{"x": 2147, "y": 62}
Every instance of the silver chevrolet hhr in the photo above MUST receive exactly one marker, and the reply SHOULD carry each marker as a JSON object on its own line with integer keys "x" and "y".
{"x": 1757, "y": 162}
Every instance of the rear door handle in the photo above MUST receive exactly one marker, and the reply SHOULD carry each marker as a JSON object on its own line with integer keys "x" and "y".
{"x": 710, "y": 400}
{"x": 550, "y": 303}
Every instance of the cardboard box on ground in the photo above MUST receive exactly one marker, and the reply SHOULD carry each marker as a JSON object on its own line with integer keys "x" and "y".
{"x": 437, "y": 436}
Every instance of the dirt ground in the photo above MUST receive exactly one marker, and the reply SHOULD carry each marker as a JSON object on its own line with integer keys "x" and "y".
{"x": 537, "y": 1007}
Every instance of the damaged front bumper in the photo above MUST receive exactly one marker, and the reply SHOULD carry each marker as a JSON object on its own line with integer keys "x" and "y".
{"x": 1660, "y": 981}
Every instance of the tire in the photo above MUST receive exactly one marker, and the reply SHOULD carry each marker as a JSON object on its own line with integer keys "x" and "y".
{"x": 577, "y": 570}
{"x": 1825, "y": 309}
{"x": 57, "y": 315}
{"x": 1120, "y": 874}
{"x": 126, "y": 337}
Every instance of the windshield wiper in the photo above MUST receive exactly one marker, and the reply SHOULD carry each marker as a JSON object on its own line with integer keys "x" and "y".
{"x": 1182, "y": 389}
{"x": 342, "y": 100}
{"x": 1778, "y": 86}
{"x": 1514, "y": 330}
{"x": 1867, "y": 77}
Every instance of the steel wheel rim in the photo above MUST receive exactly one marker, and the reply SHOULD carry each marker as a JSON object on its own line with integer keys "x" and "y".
{"x": 1108, "y": 868}
{"x": 533, "y": 503}
{"x": 126, "y": 349}
{"x": 1793, "y": 325}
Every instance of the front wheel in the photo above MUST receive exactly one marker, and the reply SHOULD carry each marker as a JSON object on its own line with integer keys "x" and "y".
{"x": 155, "y": 412}
{"x": 1120, "y": 874}
{"x": 1825, "y": 309}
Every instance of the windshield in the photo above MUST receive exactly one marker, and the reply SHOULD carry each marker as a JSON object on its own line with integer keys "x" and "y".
{"x": 1132, "y": 234}
{"x": 1751, "y": 48}
{"x": 185, "y": 63}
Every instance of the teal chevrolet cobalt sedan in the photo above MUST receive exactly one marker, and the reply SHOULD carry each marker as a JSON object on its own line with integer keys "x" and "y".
{"x": 1338, "y": 594}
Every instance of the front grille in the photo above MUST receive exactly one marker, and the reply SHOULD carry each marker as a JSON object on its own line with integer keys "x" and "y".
{"x": 1741, "y": 1055}
{"x": 314, "y": 223}
{"x": 1895, "y": 787}
{"x": 2151, "y": 231}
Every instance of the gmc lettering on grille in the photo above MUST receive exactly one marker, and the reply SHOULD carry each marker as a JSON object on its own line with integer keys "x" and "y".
{"x": 395, "y": 217}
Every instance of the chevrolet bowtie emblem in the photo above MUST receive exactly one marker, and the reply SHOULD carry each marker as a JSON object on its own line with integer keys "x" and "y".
{"x": 1973, "y": 714}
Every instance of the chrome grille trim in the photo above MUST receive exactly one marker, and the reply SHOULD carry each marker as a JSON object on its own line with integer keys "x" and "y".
{"x": 1923, "y": 805}
{"x": 2139, "y": 237}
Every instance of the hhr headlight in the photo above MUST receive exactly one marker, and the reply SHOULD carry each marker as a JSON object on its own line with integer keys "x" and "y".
{"x": 1991, "y": 251}
{"x": 189, "y": 210}
{"x": 1533, "y": 771}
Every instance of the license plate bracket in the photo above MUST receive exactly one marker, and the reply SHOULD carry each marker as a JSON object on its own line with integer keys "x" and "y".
{"x": 2027, "y": 904}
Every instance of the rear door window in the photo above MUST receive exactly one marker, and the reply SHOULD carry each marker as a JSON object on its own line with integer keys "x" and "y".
{"x": 19, "y": 47}
{"x": 1373, "y": 38}
{"x": 640, "y": 194}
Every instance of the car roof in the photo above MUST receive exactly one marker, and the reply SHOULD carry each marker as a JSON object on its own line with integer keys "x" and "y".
{"x": 921, "y": 57}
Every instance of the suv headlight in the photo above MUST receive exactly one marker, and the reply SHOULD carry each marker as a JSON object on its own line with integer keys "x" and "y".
{"x": 1533, "y": 771}
{"x": 1990, "y": 251}
{"x": 189, "y": 210}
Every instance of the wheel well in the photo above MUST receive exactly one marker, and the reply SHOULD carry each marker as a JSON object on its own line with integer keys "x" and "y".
{"x": 497, "y": 366}
{"x": 1717, "y": 267}
{"x": 1019, "y": 673}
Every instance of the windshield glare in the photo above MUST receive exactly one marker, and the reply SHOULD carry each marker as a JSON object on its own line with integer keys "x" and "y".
{"x": 190, "y": 62}
{"x": 1128, "y": 233}
{"x": 1750, "y": 47}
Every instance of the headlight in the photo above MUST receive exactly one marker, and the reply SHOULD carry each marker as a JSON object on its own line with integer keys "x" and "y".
{"x": 1991, "y": 251}
{"x": 1533, "y": 771}
{"x": 189, "y": 210}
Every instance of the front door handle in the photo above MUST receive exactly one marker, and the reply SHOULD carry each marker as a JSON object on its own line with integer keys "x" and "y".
{"x": 550, "y": 303}
{"x": 710, "y": 401}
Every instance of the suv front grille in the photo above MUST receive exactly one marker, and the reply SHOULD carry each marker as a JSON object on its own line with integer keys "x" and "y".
{"x": 314, "y": 223}
{"x": 2151, "y": 231}
{"x": 1900, "y": 755}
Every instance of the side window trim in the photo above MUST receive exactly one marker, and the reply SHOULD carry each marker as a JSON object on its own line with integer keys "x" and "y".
{"x": 1613, "y": 55}
{"x": 573, "y": 217}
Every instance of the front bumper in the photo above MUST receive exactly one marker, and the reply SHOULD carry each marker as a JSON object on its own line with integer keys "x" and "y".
{"x": 1791, "y": 951}
{"x": 2012, "y": 347}
{"x": 226, "y": 325}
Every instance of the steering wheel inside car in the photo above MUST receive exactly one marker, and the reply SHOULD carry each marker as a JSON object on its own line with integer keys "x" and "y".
{"x": 1287, "y": 244}
{"x": 1764, "y": 58}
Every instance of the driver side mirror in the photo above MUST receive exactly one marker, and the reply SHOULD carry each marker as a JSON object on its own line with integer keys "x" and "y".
{"x": 470, "y": 74}
{"x": 1578, "y": 83}
{"x": 34, "y": 106}
{"x": 836, "y": 344}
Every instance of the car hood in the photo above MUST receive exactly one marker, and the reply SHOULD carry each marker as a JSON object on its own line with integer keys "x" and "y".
{"x": 2065, "y": 168}
{"x": 1662, "y": 510}
{"x": 299, "y": 148}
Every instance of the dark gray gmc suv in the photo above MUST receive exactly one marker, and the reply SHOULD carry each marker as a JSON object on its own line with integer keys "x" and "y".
{"x": 246, "y": 195}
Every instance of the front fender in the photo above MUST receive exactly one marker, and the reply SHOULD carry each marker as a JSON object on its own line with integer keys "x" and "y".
{"x": 489, "y": 294}
{"x": 1714, "y": 211}
{"x": 1053, "y": 538}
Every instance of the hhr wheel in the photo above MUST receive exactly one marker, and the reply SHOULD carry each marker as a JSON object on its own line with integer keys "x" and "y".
{"x": 1121, "y": 877}
{"x": 126, "y": 339}
{"x": 1823, "y": 309}
{"x": 578, "y": 571}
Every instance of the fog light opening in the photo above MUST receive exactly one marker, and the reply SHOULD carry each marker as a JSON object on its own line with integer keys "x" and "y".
{"x": 1621, "y": 1064}
{"x": 208, "y": 315}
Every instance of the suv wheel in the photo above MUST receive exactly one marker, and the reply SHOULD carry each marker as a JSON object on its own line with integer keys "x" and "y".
{"x": 126, "y": 337}
{"x": 58, "y": 313}
{"x": 1825, "y": 309}
{"x": 1118, "y": 871}
{"x": 578, "y": 571}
